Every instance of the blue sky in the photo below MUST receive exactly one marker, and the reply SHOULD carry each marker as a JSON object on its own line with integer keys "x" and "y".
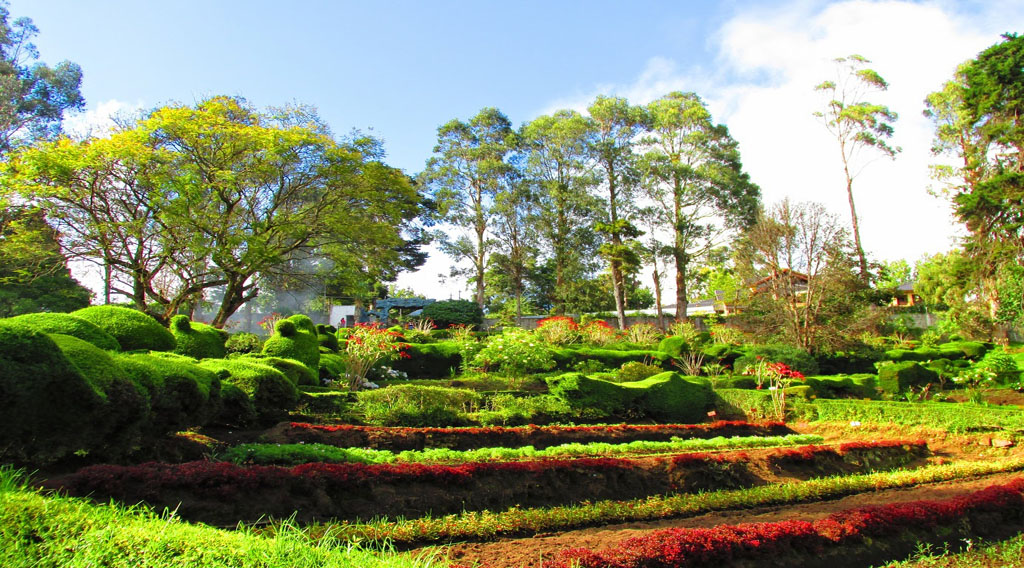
{"x": 401, "y": 68}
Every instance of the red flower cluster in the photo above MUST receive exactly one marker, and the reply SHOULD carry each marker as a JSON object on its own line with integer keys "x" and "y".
{"x": 725, "y": 544}
{"x": 783, "y": 370}
{"x": 568, "y": 321}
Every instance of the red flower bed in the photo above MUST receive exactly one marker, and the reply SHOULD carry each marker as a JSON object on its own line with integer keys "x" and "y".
{"x": 799, "y": 454}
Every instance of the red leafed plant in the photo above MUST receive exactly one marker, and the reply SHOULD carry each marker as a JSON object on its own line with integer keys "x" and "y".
{"x": 369, "y": 344}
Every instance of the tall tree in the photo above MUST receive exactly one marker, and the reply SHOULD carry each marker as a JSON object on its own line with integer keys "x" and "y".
{"x": 516, "y": 238}
{"x": 466, "y": 173}
{"x": 856, "y": 125}
{"x": 617, "y": 125}
{"x": 558, "y": 166}
{"x": 694, "y": 177}
{"x": 33, "y": 96}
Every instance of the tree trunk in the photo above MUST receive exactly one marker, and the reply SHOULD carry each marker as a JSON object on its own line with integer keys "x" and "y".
{"x": 680, "y": 258}
{"x": 856, "y": 226}
{"x": 657, "y": 296}
{"x": 618, "y": 289}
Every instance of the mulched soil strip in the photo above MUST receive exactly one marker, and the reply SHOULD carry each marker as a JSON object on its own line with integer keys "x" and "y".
{"x": 224, "y": 493}
{"x": 400, "y": 439}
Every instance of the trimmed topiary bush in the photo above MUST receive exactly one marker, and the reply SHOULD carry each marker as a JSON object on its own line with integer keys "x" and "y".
{"x": 429, "y": 360}
{"x": 328, "y": 336}
{"x": 447, "y": 313}
{"x": 120, "y": 425}
{"x": 132, "y": 329}
{"x": 721, "y": 353}
{"x": 567, "y": 358}
{"x": 971, "y": 349}
{"x": 332, "y": 366}
{"x": 583, "y": 394}
{"x": 296, "y": 372}
{"x": 272, "y": 394}
{"x": 416, "y": 405}
{"x": 237, "y": 409}
{"x": 68, "y": 324}
{"x": 673, "y": 346}
{"x": 897, "y": 377}
{"x": 295, "y": 338}
{"x": 197, "y": 340}
{"x": 858, "y": 386}
{"x": 797, "y": 359}
{"x": 636, "y": 371}
{"x": 48, "y": 408}
{"x": 181, "y": 393}
{"x": 670, "y": 397}
{"x": 1002, "y": 364}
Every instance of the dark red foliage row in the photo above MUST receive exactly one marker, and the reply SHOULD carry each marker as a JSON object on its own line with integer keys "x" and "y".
{"x": 801, "y": 453}
{"x": 718, "y": 546}
{"x": 721, "y": 424}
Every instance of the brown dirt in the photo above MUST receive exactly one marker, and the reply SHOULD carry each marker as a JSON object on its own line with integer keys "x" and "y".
{"x": 527, "y": 552}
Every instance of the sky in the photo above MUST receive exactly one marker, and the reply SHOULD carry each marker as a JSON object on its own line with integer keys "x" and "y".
{"x": 399, "y": 69}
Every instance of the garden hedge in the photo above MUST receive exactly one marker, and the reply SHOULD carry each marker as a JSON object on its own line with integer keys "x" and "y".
{"x": 68, "y": 324}
{"x": 566, "y": 358}
{"x": 295, "y": 338}
{"x": 429, "y": 360}
{"x": 132, "y": 329}
{"x": 182, "y": 394}
{"x": 797, "y": 359}
{"x": 447, "y": 313}
{"x": 327, "y": 335}
{"x": 673, "y": 346}
{"x": 297, "y": 373}
{"x": 48, "y": 408}
{"x": 667, "y": 396}
{"x": 272, "y": 394}
{"x": 898, "y": 377}
{"x": 417, "y": 405}
{"x": 332, "y": 366}
{"x": 197, "y": 340}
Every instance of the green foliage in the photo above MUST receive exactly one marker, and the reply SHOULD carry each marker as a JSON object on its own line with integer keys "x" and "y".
{"x": 243, "y": 342}
{"x": 515, "y": 352}
{"x": 567, "y": 358}
{"x": 1003, "y": 365}
{"x": 636, "y": 371}
{"x": 68, "y": 324}
{"x": 506, "y": 409}
{"x": 295, "y": 338}
{"x": 181, "y": 394}
{"x": 859, "y": 386}
{"x": 328, "y": 336}
{"x": 667, "y": 396}
{"x": 272, "y": 394}
{"x": 49, "y": 530}
{"x": 332, "y": 366}
{"x": 416, "y": 405}
{"x": 237, "y": 409}
{"x": 131, "y": 328}
{"x": 197, "y": 340}
{"x": 120, "y": 425}
{"x": 744, "y": 404}
{"x": 48, "y": 409}
{"x": 297, "y": 373}
{"x": 948, "y": 416}
{"x": 797, "y": 359}
{"x": 971, "y": 349}
{"x": 898, "y": 377}
{"x": 674, "y": 345}
{"x": 447, "y": 313}
{"x": 430, "y": 360}
{"x": 322, "y": 401}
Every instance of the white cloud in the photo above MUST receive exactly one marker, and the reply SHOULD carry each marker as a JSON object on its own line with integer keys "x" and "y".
{"x": 99, "y": 119}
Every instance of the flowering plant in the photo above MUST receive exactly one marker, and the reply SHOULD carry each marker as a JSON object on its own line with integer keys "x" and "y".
{"x": 778, "y": 375}
{"x": 270, "y": 321}
{"x": 369, "y": 344}
{"x": 558, "y": 330}
{"x": 597, "y": 332}
{"x": 516, "y": 352}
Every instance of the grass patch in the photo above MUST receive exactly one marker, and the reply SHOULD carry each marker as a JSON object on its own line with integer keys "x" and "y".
{"x": 969, "y": 555}
{"x": 951, "y": 417}
{"x": 39, "y": 531}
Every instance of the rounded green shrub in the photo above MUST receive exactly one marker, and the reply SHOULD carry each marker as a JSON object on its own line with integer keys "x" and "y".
{"x": 48, "y": 408}
{"x": 197, "y": 340}
{"x": 417, "y": 405}
{"x": 897, "y": 377}
{"x": 1002, "y": 364}
{"x": 332, "y": 366}
{"x": 272, "y": 394}
{"x": 132, "y": 329}
{"x": 673, "y": 345}
{"x": 328, "y": 336}
{"x": 447, "y": 313}
{"x": 181, "y": 393}
{"x": 636, "y": 371}
{"x": 429, "y": 360}
{"x": 297, "y": 373}
{"x": 797, "y": 359}
{"x": 584, "y": 394}
{"x": 237, "y": 409}
{"x": 670, "y": 397}
{"x": 243, "y": 342}
{"x": 295, "y": 338}
{"x": 68, "y": 324}
{"x": 126, "y": 412}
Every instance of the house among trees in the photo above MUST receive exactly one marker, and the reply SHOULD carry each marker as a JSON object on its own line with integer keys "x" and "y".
{"x": 781, "y": 284}
{"x": 905, "y": 296}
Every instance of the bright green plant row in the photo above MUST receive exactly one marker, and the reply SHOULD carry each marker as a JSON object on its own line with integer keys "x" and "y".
{"x": 485, "y": 525}
{"x": 294, "y": 454}
{"x": 977, "y": 555}
{"x": 45, "y": 531}
{"x": 949, "y": 416}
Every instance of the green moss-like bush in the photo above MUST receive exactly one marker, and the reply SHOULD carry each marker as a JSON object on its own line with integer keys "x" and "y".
{"x": 429, "y": 360}
{"x": 68, "y": 324}
{"x": 198, "y": 340}
{"x": 243, "y": 342}
{"x": 636, "y": 371}
{"x": 584, "y": 394}
{"x": 673, "y": 346}
{"x": 898, "y": 377}
{"x": 237, "y": 409}
{"x": 132, "y": 329}
{"x": 670, "y": 397}
{"x": 797, "y": 359}
{"x": 416, "y": 405}
{"x": 447, "y": 313}
{"x": 721, "y": 353}
{"x": 855, "y": 386}
{"x": 48, "y": 409}
{"x": 296, "y": 372}
{"x": 181, "y": 394}
{"x": 744, "y": 404}
{"x": 323, "y": 401}
{"x": 735, "y": 382}
{"x": 328, "y": 336}
{"x": 332, "y": 366}
{"x": 971, "y": 349}
{"x": 851, "y": 362}
{"x": 567, "y": 358}
{"x": 295, "y": 338}
{"x": 272, "y": 394}
{"x": 1002, "y": 364}
{"x": 121, "y": 423}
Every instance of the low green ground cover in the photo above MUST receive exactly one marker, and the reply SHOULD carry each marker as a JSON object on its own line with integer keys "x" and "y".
{"x": 970, "y": 554}
{"x": 951, "y": 417}
{"x": 40, "y": 531}
{"x": 294, "y": 454}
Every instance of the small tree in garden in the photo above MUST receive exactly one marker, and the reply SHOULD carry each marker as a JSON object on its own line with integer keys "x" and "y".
{"x": 778, "y": 376}
{"x": 597, "y": 332}
{"x": 516, "y": 352}
{"x": 369, "y": 344}
{"x": 558, "y": 330}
